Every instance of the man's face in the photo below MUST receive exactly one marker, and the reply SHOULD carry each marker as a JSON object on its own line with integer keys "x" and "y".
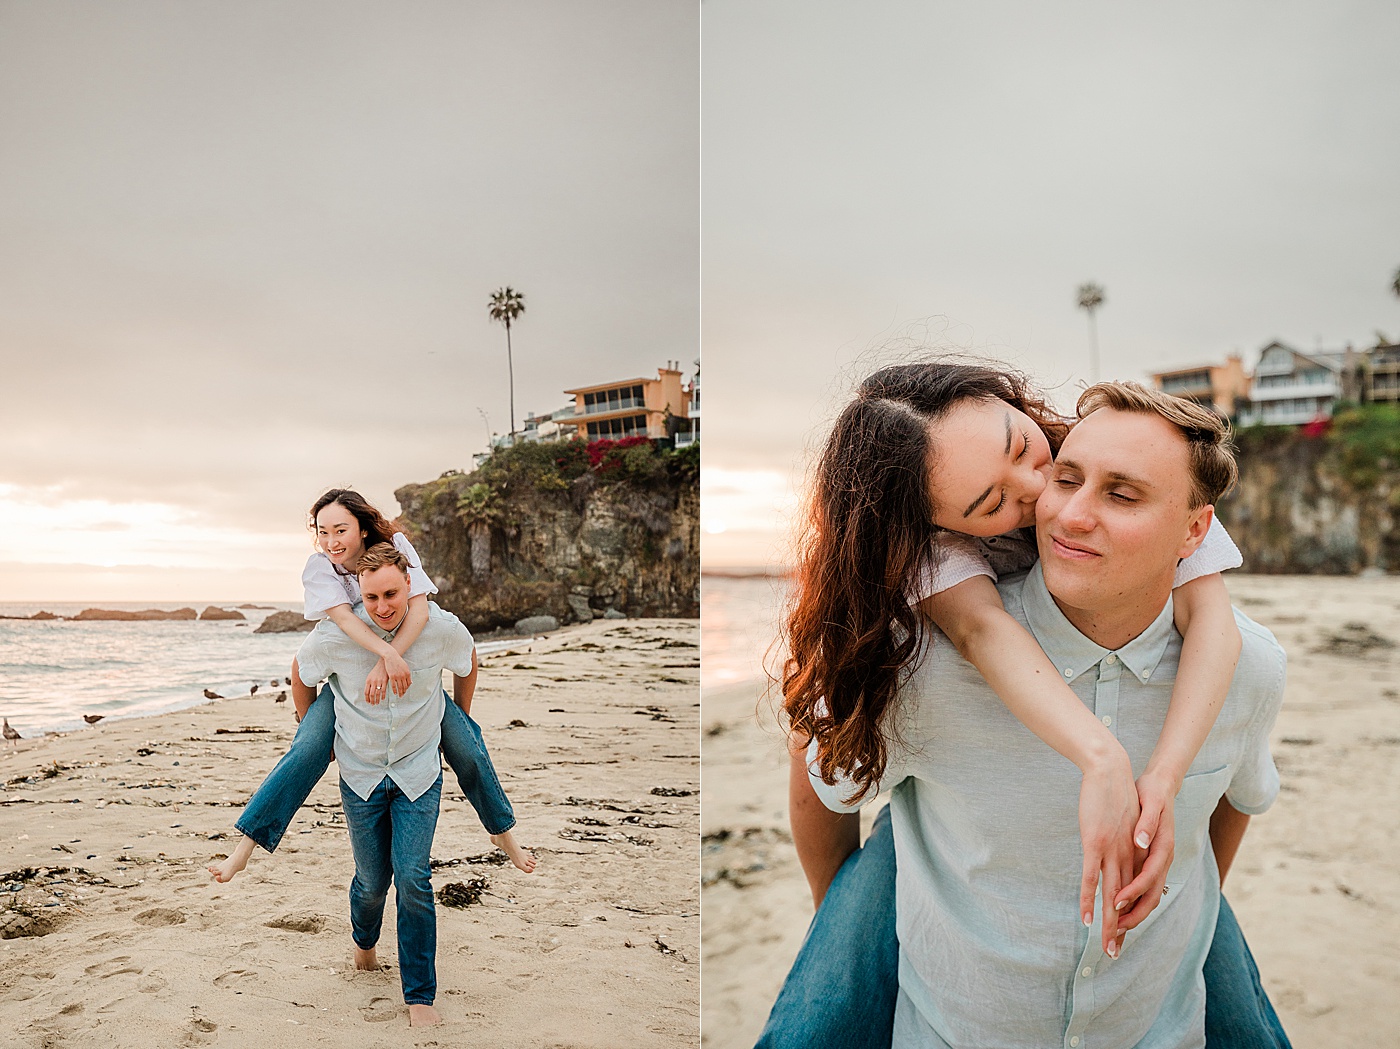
{"x": 1116, "y": 515}
{"x": 385, "y": 594}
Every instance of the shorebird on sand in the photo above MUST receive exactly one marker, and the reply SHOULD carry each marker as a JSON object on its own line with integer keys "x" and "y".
{"x": 211, "y": 695}
{"x": 93, "y": 719}
{"x": 273, "y": 682}
{"x": 254, "y": 690}
{"x": 281, "y": 698}
{"x": 289, "y": 681}
{"x": 10, "y": 734}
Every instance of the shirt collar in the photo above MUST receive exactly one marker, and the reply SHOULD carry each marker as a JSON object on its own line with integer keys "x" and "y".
{"x": 1072, "y": 652}
{"x": 384, "y": 635}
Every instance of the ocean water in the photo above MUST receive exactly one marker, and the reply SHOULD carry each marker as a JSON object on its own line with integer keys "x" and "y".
{"x": 738, "y": 629}
{"x": 54, "y": 672}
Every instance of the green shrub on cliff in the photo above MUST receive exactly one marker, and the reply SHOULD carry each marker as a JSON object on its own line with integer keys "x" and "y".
{"x": 554, "y": 466}
{"x": 1367, "y": 440}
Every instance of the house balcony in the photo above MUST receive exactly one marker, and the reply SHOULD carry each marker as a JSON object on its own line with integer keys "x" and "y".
{"x": 604, "y": 407}
{"x": 1291, "y": 413}
{"x": 1325, "y": 390}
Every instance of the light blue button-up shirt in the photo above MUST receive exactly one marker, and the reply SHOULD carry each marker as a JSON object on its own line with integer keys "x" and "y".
{"x": 993, "y": 951}
{"x": 397, "y": 737}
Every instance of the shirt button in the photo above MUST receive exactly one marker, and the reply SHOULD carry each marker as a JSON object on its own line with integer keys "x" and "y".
{"x": 1088, "y": 970}
{"x": 1069, "y": 672}
{"x": 1146, "y": 674}
{"x": 1107, "y": 720}
{"x": 1074, "y": 1040}
{"x": 1110, "y": 659}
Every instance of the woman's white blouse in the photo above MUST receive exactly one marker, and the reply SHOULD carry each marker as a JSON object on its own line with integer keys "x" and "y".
{"x": 326, "y": 586}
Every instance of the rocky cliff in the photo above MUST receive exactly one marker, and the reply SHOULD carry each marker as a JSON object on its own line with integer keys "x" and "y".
{"x": 1319, "y": 500}
{"x": 568, "y": 530}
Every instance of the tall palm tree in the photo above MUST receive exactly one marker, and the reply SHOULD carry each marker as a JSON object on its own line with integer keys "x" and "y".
{"x": 1090, "y": 299}
{"x": 506, "y": 305}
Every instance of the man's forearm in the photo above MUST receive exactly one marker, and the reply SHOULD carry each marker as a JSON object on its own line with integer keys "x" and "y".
{"x": 824, "y": 839}
{"x": 1227, "y": 827}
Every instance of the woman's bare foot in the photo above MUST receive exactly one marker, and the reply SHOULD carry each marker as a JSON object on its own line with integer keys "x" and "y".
{"x": 224, "y": 872}
{"x": 423, "y": 1016}
{"x": 519, "y": 855}
{"x": 366, "y": 959}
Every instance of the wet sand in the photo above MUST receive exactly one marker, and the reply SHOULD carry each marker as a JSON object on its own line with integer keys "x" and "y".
{"x": 1315, "y": 886}
{"x": 105, "y": 834}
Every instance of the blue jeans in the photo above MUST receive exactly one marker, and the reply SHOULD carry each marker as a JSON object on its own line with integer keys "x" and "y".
{"x": 392, "y": 838}
{"x": 287, "y": 786}
{"x": 841, "y": 991}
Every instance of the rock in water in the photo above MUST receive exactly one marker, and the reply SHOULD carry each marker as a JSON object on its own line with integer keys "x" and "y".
{"x": 284, "y": 623}
{"x": 220, "y": 613}
{"x": 102, "y": 614}
{"x": 536, "y": 625}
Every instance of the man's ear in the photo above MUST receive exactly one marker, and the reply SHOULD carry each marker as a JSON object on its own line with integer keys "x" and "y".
{"x": 1196, "y": 529}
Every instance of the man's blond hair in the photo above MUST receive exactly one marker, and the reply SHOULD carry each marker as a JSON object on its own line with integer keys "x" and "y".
{"x": 1210, "y": 454}
{"x": 382, "y": 555}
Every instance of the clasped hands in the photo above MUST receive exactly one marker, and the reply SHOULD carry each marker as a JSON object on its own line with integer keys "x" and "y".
{"x": 1129, "y": 840}
{"x": 390, "y": 670}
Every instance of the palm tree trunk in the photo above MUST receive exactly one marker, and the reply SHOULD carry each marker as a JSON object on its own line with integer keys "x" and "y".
{"x": 480, "y": 536}
{"x": 510, "y": 368}
{"x": 1093, "y": 348}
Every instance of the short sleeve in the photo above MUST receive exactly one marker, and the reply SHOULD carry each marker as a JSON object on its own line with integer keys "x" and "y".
{"x": 313, "y": 663}
{"x": 457, "y": 653}
{"x": 1217, "y": 553}
{"x": 835, "y": 796}
{"x": 324, "y": 587}
{"x": 1255, "y": 783}
{"x": 956, "y": 558}
{"x": 840, "y": 796}
{"x": 419, "y": 581}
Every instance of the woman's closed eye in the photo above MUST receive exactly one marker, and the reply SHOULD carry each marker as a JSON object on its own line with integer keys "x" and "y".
{"x": 1025, "y": 447}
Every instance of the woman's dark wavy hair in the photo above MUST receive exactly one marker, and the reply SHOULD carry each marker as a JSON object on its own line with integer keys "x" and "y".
{"x": 850, "y": 630}
{"x": 377, "y": 528}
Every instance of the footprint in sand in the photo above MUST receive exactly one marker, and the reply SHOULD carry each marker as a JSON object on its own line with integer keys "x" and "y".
{"x": 113, "y": 967}
{"x": 233, "y": 978}
{"x": 379, "y": 1010}
{"x": 151, "y": 983}
{"x": 201, "y": 1032}
{"x": 160, "y": 916}
{"x": 312, "y": 923}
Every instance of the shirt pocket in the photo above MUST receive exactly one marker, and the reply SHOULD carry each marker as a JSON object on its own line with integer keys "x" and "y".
{"x": 1199, "y": 795}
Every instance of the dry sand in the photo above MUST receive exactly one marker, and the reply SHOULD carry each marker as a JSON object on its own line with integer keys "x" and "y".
{"x": 597, "y": 948}
{"x": 1316, "y": 886}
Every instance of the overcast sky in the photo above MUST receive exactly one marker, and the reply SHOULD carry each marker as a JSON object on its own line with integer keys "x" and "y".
{"x": 246, "y": 251}
{"x": 887, "y": 174}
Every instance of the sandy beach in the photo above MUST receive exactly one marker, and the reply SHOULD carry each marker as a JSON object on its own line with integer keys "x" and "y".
{"x": 105, "y": 834}
{"x": 1315, "y": 886}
